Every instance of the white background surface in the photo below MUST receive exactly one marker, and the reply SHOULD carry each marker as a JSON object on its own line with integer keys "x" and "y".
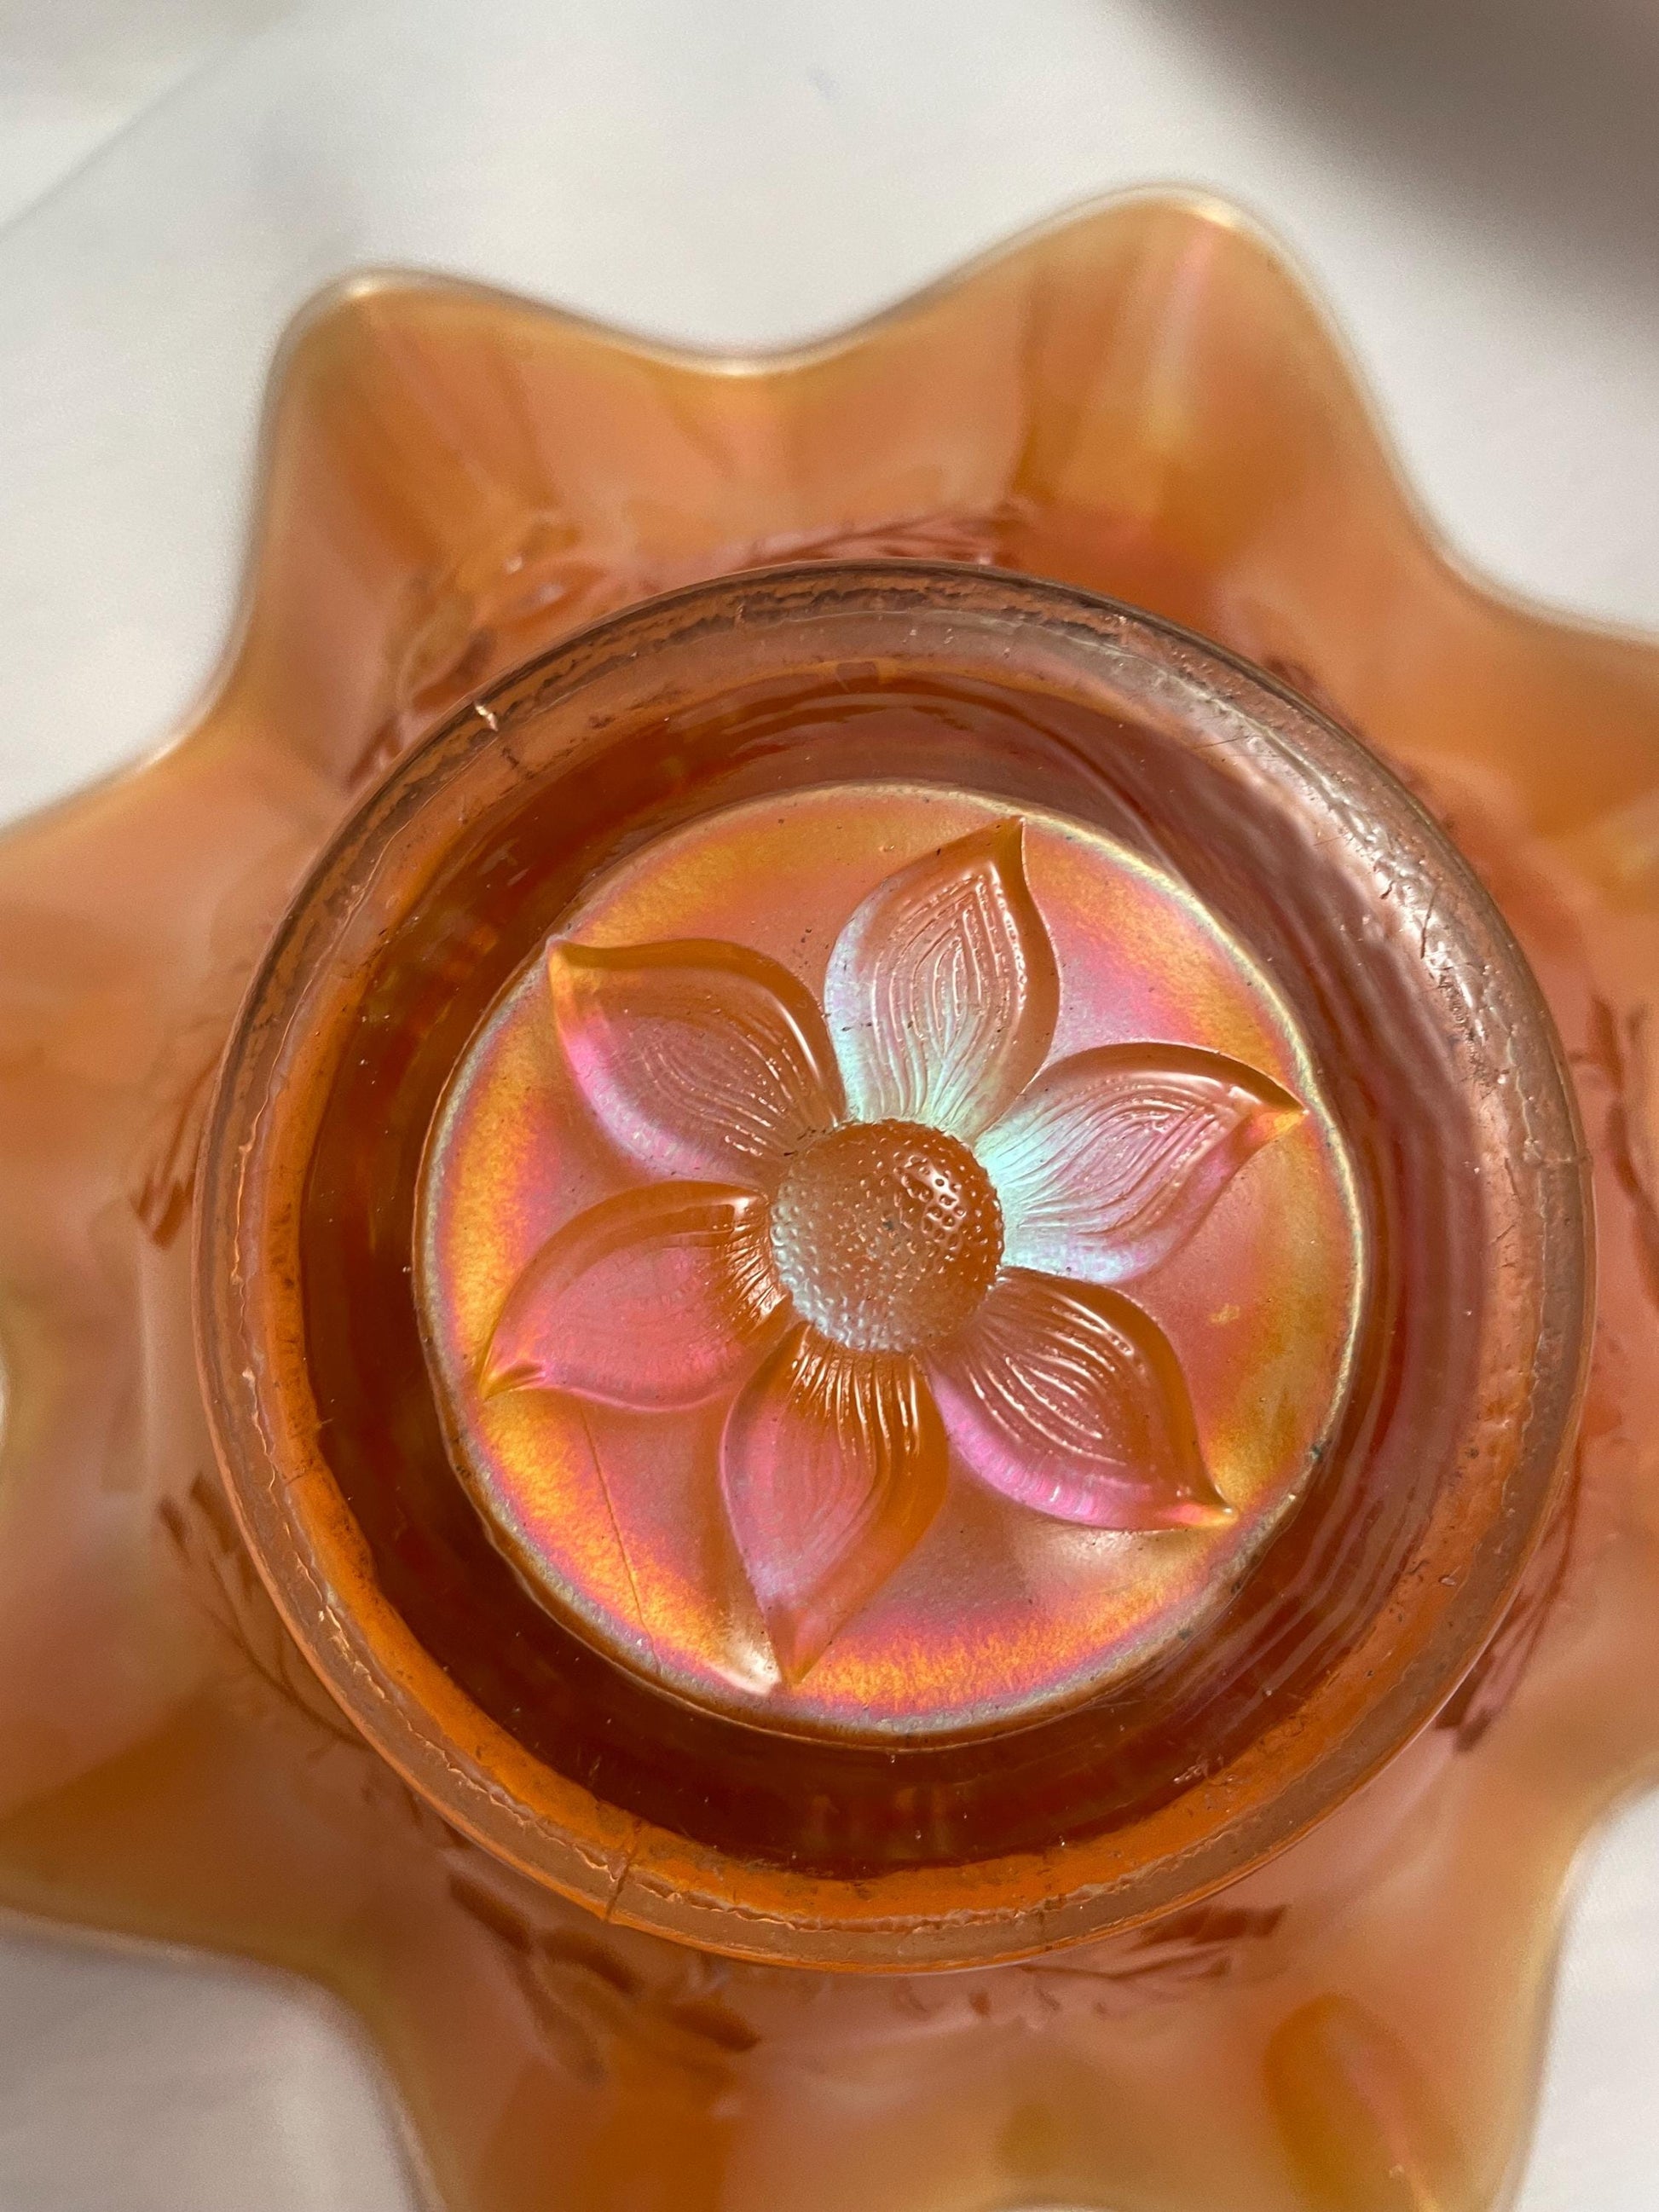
{"x": 1474, "y": 184}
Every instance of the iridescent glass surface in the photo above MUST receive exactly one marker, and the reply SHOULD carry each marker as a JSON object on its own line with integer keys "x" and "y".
{"x": 1140, "y": 402}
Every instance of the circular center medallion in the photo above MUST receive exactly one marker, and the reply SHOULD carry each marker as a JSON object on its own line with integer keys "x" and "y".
{"x": 886, "y": 1235}
{"x": 887, "y": 1263}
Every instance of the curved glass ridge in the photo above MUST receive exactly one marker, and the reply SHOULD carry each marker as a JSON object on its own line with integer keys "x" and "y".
{"x": 1140, "y": 400}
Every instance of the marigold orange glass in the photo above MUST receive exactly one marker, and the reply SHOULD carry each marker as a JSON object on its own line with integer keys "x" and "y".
{"x": 894, "y": 1266}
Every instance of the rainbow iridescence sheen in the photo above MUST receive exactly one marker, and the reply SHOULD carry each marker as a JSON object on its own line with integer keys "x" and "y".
{"x": 787, "y": 1345}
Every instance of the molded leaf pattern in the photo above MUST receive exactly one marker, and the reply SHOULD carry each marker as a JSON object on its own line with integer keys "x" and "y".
{"x": 1112, "y": 1158}
{"x": 699, "y": 1059}
{"x": 709, "y": 1062}
{"x": 653, "y": 1299}
{"x": 1068, "y": 1398}
{"x": 942, "y": 992}
{"x": 833, "y": 1465}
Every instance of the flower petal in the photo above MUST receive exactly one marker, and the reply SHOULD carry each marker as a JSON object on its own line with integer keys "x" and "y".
{"x": 1069, "y": 1399}
{"x": 1111, "y": 1159}
{"x": 655, "y": 1298}
{"x": 833, "y": 1465}
{"x": 700, "y": 1058}
{"x": 942, "y": 992}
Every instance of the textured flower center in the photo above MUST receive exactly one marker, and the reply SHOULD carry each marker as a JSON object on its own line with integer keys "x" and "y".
{"x": 887, "y": 1235}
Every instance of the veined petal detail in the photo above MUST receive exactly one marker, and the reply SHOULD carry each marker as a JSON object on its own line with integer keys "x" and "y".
{"x": 1068, "y": 1398}
{"x": 653, "y": 1299}
{"x": 700, "y": 1058}
{"x": 1111, "y": 1159}
{"x": 833, "y": 1465}
{"x": 943, "y": 992}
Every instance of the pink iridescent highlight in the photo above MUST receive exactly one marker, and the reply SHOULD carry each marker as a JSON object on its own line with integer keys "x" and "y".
{"x": 772, "y": 1262}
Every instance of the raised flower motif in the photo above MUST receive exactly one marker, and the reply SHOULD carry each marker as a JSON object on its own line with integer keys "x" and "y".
{"x": 884, "y": 1229}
